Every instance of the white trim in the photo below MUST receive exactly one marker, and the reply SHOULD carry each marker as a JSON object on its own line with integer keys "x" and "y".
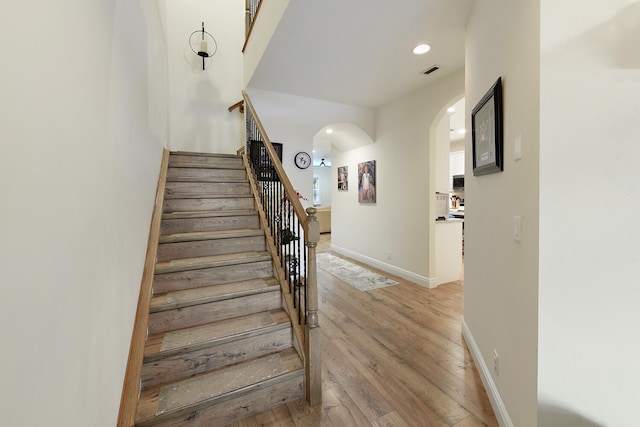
{"x": 492, "y": 391}
{"x": 408, "y": 275}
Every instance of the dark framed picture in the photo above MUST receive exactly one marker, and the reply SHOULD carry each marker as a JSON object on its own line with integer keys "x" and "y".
{"x": 486, "y": 132}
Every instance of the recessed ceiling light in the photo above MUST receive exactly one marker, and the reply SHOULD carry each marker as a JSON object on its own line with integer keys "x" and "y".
{"x": 451, "y": 109}
{"x": 421, "y": 49}
{"x": 329, "y": 131}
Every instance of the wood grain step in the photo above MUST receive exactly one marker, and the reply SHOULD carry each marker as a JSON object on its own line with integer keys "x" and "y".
{"x": 193, "y": 189}
{"x": 206, "y": 243}
{"x": 184, "y": 174}
{"x": 202, "y": 399}
{"x": 210, "y": 235}
{"x": 199, "y": 263}
{"x": 188, "y": 222}
{"x": 205, "y": 161}
{"x": 196, "y": 296}
{"x": 207, "y": 202}
{"x": 195, "y": 350}
{"x": 173, "y": 343}
{"x": 268, "y": 298}
{"x": 191, "y": 279}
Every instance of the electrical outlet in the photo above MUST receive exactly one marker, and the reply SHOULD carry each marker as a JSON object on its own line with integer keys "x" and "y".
{"x": 389, "y": 255}
{"x": 496, "y": 362}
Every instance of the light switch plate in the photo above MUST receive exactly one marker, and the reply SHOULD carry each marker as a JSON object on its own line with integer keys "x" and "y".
{"x": 517, "y": 228}
{"x": 517, "y": 148}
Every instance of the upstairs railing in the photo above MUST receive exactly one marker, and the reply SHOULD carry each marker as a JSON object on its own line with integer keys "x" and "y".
{"x": 293, "y": 237}
{"x": 251, "y": 10}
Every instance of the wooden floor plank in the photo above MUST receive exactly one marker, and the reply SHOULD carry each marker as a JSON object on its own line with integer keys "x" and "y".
{"x": 391, "y": 357}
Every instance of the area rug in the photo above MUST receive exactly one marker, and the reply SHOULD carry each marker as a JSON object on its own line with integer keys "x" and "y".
{"x": 354, "y": 275}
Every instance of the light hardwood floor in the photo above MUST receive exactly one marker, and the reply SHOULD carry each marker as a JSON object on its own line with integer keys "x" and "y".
{"x": 391, "y": 357}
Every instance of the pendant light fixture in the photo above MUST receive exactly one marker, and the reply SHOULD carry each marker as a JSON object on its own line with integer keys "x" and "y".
{"x": 205, "y": 44}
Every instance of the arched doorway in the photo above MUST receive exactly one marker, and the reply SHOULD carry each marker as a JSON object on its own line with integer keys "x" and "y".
{"x": 447, "y": 133}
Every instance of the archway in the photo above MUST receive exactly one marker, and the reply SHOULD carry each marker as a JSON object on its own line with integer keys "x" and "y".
{"x": 439, "y": 182}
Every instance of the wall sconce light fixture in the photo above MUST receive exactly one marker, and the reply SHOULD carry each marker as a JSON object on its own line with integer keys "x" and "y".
{"x": 205, "y": 44}
{"x": 322, "y": 163}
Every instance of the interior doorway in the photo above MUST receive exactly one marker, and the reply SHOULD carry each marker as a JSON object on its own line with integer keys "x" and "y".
{"x": 446, "y": 220}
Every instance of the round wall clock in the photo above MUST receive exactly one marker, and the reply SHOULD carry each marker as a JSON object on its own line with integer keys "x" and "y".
{"x": 303, "y": 160}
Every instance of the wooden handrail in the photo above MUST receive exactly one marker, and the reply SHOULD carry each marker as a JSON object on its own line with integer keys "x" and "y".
{"x": 308, "y": 221}
{"x": 277, "y": 165}
{"x": 249, "y": 21}
{"x": 239, "y": 104}
{"x": 271, "y": 248}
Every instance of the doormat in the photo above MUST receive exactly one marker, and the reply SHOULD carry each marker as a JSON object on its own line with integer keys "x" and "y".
{"x": 352, "y": 274}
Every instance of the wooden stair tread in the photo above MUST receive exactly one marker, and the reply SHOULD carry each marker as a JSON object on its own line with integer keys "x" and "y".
{"x": 163, "y": 402}
{"x": 209, "y": 214}
{"x": 196, "y": 154}
{"x": 204, "y": 295}
{"x": 210, "y": 235}
{"x": 167, "y": 344}
{"x": 208, "y": 196}
{"x": 209, "y": 180}
{"x": 210, "y": 261}
{"x": 195, "y": 165}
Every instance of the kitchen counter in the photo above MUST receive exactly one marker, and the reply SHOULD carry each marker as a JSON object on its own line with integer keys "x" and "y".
{"x": 458, "y": 213}
{"x": 448, "y": 251}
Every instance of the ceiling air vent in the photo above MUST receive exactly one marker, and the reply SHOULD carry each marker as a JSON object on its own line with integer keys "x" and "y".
{"x": 430, "y": 70}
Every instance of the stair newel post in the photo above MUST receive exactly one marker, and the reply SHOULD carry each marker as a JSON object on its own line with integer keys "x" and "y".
{"x": 312, "y": 328}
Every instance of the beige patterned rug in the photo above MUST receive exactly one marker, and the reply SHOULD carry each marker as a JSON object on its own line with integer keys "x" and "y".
{"x": 356, "y": 276}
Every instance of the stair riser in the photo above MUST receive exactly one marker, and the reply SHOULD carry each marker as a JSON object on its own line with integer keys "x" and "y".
{"x": 181, "y": 250}
{"x": 177, "y": 160}
{"x": 185, "y": 365}
{"x": 198, "y": 205}
{"x": 242, "y": 405}
{"x": 219, "y": 310}
{"x": 204, "y": 175}
{"x": 192, "y": 225}
{"x": 175, "y": 189}
{"x": 181, "y": 280}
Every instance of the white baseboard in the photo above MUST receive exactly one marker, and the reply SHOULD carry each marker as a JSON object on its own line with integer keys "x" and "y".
{"x": 407, "y": 275}
{"x": 492, "y": 391}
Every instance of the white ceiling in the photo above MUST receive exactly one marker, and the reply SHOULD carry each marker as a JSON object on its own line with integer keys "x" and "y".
{"x": 359, "y": 52}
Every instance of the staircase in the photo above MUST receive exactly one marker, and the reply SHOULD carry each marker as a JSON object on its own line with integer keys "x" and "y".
{"x": 219, "y": 345}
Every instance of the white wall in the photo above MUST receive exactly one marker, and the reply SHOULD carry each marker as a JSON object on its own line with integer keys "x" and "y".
{"x": 501, "y": 274}
{"x": 294, "y": 121}
{"x": 263, "y": 28}
{"x": 327, "y": 177}
{"x": 589, "y": 197}
{"x": 198, "y": 100}
{"x": 79, "y": 172}
{"x": 458, "y": 145}
{"x": 398, "y": 222}
{"x": 442, "y": 152}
